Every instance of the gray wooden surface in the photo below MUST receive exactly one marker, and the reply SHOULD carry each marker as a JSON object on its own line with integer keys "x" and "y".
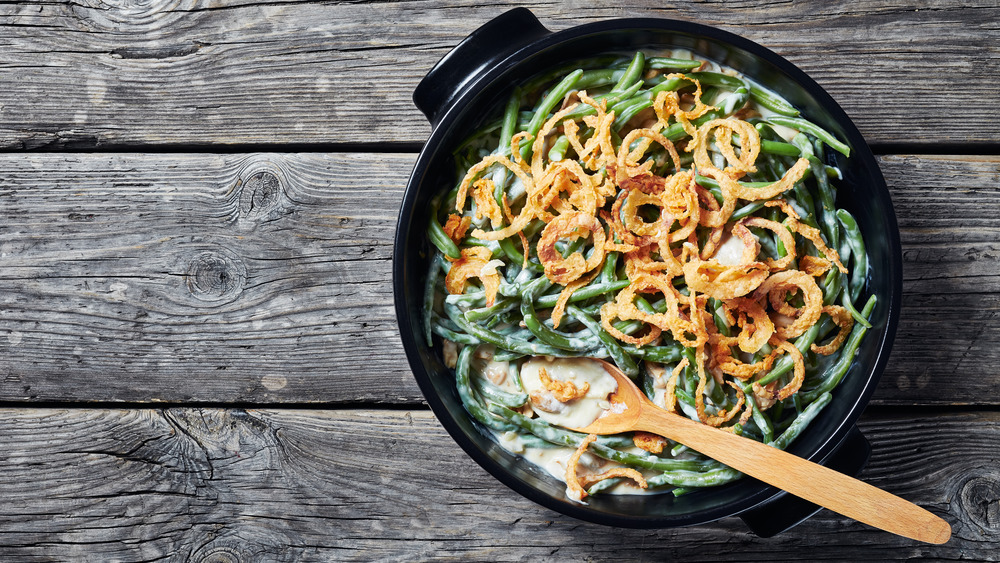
{"x": 198, "y": 352}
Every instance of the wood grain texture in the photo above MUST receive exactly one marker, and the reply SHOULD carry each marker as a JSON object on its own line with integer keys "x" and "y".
{"x": 266, "y": 278}
{"x": 198, "y": 277}
{"x": 177, "y": 72}
{"x": 234, "y": 485}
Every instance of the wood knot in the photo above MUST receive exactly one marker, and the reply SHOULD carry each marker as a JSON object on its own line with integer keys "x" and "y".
{"x": 216, "y": 276}
{"x": 136, "y": 17}
{"x": 980, "y": 500}
{"x": 218, "y": 554}
{"x": 261, "y": 185}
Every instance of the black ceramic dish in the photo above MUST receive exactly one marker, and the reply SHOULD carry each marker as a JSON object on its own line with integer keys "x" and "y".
{"x": 469, "y": 85}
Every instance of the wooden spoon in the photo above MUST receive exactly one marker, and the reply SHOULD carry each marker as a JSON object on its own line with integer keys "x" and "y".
{"x": 631, "y": 410}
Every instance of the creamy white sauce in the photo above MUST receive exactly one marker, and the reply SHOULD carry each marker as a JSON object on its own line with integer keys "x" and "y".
{"x": 730, "y": 252}
{"x": 578, "y": 371}
{"x": 496, "y": 372}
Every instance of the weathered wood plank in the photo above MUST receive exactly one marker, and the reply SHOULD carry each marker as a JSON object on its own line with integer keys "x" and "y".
{"x": 266, "y": 278}
{"x": 93, "y": 73}
{"x": 187, "y": 484}
{"x": 167, "y": 276}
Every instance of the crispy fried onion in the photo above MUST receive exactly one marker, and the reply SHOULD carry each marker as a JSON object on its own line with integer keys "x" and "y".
{"x": 753, "y": 335}
{"x": 473, "y": 264}
{"x": 770, "y": 393}
{"x": 668, "y": 104}
{"x": 628, "y": 158}
{"x": 577, "y": 486}
{"x": 456, "y": 227}
{"x": 723, "y": 358}
{"x": 844, "y": 321}
{"x": 486, "y": 203}
{"x": 570, "y": 226}
{"x": 723, "y": 282}
{"x": 563, "y": 391}
{"x": 624, "y": 308}
{"x": 670, "y": 393}
{"x": 749, "y": 143}
{"x": 652, "y": 443}
{"x": 722, "y": 416}
{"x": 779, "y": 286}
{"x": 586, "y": 481}
{"x": 784, "y": 235}
{"x": 814, "y": 265}
{"x": 560, "y": 308}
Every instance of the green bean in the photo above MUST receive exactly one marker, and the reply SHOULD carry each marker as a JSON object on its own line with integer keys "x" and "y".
{"x": 859, "y": 317}
{"x": 826, "y": 198}
{"x": 601, "y": 447}
{"x": 684, "y": 479}
{"x": 469, "y": 401}
{"x": 759, "y": 417}
{"x": 631, "y": 74}
{"x": 484, "y": 313}
{"x": 779, "y": 148}
{"x": 712, "y": 184}
{"x": 507, "y": 356}
{"x": 539, "y": 329}
{"x": 852, "y": 234}
{"x": 553, "y": 434}
{"x": 493, "y": 245}
{"x": 736, "y": 100}
{"x": 746, "y": 210}
{"x": 457, "y": 337}
{"x": 667, "y": 85}
{"x": 831, "y": 286}
{"x": 582, "y": 294}
{"x": 801, "y": 422}
{"x": 603, "y": 485}
{"x": 430, "y": 290}
{"x": 628, "y": 111}
{"x": 509, "y": 123}
{"x": 597, "y": 78}
{"x": 719, "y": 316}
{"x": 623, "y": 360}
{"x": 534, "y": 442}
{"x": 676, "y": 131}
{"x": 785, "y": 363}
{"x": 493, "y": 393}
{"x": 510, "y": 115}
{"x": 656, "y": 354}
{"x": 806, "y": 126}
{"x": 660, "y": 63}
{"x": 608, "y": 272}
{"x": 615, "y": 62}
{"x": 610, "y": 99}
{"x": 514, "y": 345}
{"x": 558, "y": 150}
{"x": 438, "y": 237}
{"x": 848, "y": 350}
{"x": 772, "y": 101}
{"x": 471, "y": 299}
{"x": 554, "y": 96}
{"x": 761, "y": 95}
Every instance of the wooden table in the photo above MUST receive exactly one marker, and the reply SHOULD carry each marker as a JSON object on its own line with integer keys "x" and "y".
{"x": 198, "y": 353}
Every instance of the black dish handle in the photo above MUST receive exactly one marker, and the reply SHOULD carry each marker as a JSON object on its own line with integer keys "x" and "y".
{"x": 787, "y": 511}
{"x": 479, "y": 52}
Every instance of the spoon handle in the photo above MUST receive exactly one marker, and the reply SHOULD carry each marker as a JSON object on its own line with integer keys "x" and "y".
{"x": 813, "y": 482}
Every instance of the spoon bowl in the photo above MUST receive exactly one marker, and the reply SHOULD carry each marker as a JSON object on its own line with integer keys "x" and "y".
{"x": 630, "y": 410}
